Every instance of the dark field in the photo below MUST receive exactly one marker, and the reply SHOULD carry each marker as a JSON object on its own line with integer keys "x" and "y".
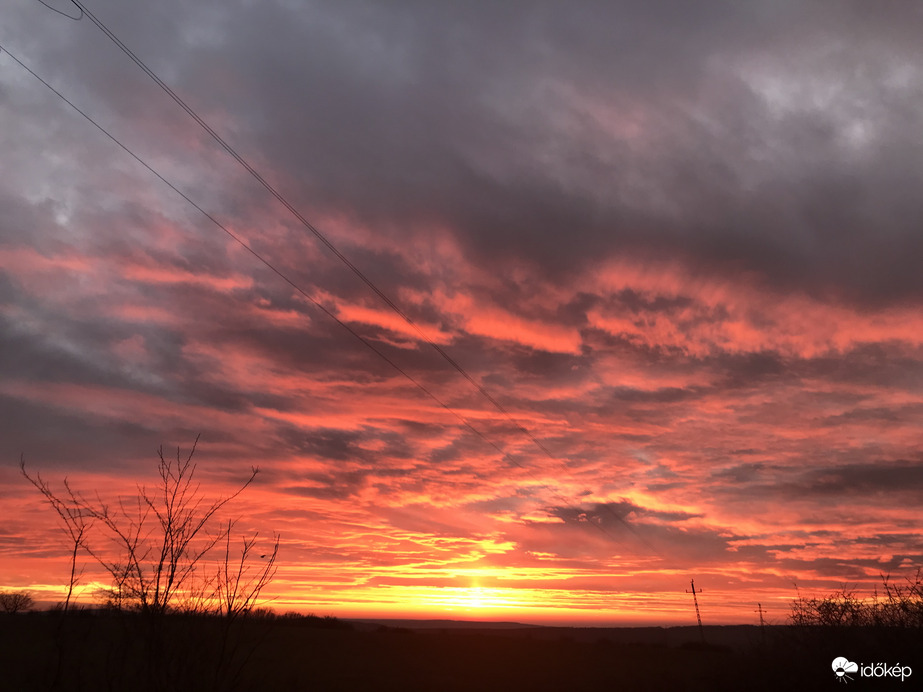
{"x": 95, "y": 651}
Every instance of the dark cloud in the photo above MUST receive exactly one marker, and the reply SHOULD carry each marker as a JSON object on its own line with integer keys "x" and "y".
{"x": 742, "y": 473}
{"x": 667, "y": 544}
{"x": 678, "y": 242}
{"x": 867, "y": 480}
{"x": 624, "y": 512}
{"x": 50, "y": 439}
{"x": 346, "y": 445}
{"x": 717, "y": 135}
{"x": 345, "y": 482}
{"x": 442, "y": 115}
{"x": 874, "y": 483}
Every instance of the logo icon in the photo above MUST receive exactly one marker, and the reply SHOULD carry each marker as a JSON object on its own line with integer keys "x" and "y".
{"x": 842, "y": 666}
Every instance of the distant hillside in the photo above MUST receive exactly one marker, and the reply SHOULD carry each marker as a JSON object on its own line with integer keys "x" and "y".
{"x": 735, "y": 636}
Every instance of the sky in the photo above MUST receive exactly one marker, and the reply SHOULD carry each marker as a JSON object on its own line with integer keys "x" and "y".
{"x": 678, "y": 243}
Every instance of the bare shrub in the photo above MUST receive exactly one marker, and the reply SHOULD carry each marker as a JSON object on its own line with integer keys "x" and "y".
{"x": 75, "y": 521}
{"x": 238, "y": 584}
{"x": 16, "y": 601}
{"x": 898, "y": 605}
{"x": 167, "y": 551}
{"x": 154, "y": 545}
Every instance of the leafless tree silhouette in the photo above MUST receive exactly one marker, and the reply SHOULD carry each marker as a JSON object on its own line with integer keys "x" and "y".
{"x": 238, "y": 585}
{"x": 165, "y": 550}
{"x": 15, "y": 601}
{"x": 74, "y": 518}
{"x": 156, "y": 541}
{"x": 898, "y": 605}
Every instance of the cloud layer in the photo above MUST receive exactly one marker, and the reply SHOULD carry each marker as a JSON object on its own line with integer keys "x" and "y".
{"x": 678, "y": 245}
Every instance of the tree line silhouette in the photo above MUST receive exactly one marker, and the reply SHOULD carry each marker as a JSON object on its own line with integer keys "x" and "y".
{"x": 895, "y": 605}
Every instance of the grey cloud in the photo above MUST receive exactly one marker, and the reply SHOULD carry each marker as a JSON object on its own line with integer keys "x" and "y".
{"x": 871, "y": 482}
{"x": 341, "y": 483}
{"x": 848, "y": 568}
{"x": 742, "y": 473}
{"x": 501, "y": 122}
{"x": 51, "y": 439}
{"x": 346, "y": 445}
{"x": 623, "y": 511}
{"x": 414, "y": 149}
{"x": 599, "y": 531}
{"x": 866, "y": 480}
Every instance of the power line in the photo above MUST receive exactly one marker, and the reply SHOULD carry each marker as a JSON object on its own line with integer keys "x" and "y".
{"x": 315, "y": 231}
{"x": 65, "y": 14}
{"x": 320, "y": 236}
{"x": 464, "y": 421}
{"x": 345, "y": 260}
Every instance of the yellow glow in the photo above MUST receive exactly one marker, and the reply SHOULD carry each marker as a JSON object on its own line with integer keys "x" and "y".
{"x": 472, "y": 598}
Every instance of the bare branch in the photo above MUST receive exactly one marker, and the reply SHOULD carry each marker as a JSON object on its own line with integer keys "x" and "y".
{"x": 161, "y": 540}
{"x": 74, "y": 517}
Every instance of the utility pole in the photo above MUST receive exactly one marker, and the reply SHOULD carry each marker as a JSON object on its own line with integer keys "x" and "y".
{"x": 696, "y": 601}
{"x": 759, "y": 607}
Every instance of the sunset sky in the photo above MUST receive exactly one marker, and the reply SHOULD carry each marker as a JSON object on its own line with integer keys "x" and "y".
{"x": 679, "y": 243}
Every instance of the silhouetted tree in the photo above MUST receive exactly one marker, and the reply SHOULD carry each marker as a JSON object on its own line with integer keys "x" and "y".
{"x": 161, "y": 536}
{"x": 237, "y": 588}
{"x": 238, "y": 584}
{"x": 16, "y": 601}
{"x": 156, "y": 541}
{"x": 161, "y": 549}
{"x": 900, "y": 605}
{"x": 75, "y": 521}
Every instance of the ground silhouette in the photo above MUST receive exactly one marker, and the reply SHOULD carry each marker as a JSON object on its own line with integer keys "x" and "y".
{"x": 310, "y": 653}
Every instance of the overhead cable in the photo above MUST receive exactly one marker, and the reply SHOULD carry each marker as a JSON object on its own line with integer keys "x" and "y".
{"x": 240, "y": 241}
{"x": 314, "y": 230}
